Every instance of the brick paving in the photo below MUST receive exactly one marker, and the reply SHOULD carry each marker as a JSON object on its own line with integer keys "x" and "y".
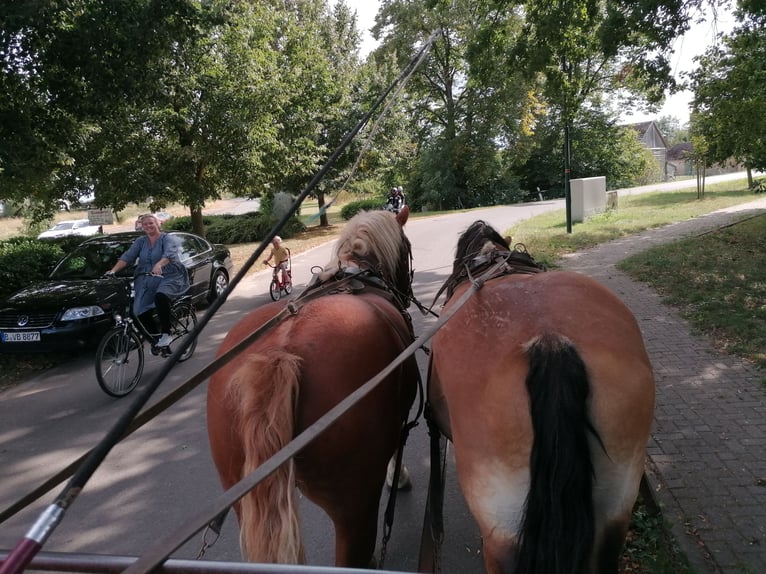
{"x": 707, "y": 451}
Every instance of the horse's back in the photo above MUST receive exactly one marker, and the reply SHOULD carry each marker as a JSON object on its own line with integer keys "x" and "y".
{"x": 342, "y": 341}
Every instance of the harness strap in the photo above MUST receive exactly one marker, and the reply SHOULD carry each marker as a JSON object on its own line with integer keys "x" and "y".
{"x": 391, "y": 505}
{"x": 432, "y": 534}
{"x": 505, "y": 263}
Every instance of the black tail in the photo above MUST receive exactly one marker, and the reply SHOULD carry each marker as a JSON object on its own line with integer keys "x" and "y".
{"x": 558, "y": 528}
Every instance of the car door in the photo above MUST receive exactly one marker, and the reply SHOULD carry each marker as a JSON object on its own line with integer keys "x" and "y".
{"x": 196, "y": 255}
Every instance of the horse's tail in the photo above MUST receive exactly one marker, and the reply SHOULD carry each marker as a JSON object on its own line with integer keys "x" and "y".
{"x": 557, "y": 533}
{"x": 265, "y": 389}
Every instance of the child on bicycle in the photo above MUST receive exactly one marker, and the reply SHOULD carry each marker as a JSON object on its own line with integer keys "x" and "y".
{"x": 281, "y": 256}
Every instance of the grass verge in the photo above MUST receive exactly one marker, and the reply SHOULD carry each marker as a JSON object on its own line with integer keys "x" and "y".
{"x": 650, "y": 547}
{"x": 547, "y": 239}
{"x": 717, "y": 281}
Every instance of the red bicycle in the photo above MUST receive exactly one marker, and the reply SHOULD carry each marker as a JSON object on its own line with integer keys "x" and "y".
{"x": 278, "y": 286}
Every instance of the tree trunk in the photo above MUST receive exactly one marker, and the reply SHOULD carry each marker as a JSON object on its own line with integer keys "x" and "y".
{"x": 197, "y": 226}
{"x": 323, "y": 220}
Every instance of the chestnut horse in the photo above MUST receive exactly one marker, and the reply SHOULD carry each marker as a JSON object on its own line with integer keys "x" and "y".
{"x": 342, "y": 331}
{"x": 542, "y": 383}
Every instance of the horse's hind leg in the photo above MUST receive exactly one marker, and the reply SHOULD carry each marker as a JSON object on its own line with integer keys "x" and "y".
{"x": 609, "y": 547}
{"x": 355, "y": 534}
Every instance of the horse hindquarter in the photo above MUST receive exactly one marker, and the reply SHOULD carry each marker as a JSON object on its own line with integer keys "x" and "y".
{"x": 555, "y": 359}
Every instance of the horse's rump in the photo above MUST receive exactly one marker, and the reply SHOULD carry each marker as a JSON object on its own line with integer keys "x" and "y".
{"x": 580, "y": 351}
{"x": 283, "y": 383}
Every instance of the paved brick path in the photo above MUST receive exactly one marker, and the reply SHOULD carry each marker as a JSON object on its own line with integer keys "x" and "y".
{"x": 707, "y": 451}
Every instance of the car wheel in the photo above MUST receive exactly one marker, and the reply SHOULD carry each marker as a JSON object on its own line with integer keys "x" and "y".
{"x": 218, "y": 285}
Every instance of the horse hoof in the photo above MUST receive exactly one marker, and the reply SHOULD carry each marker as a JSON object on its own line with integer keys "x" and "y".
{"x": 405, "y": 482}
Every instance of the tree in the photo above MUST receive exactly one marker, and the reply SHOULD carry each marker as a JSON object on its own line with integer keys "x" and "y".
{"x": 463, "y": 106}
{"x": 671, "y": 129}
{"x": 174, "y": 101}
{"x": 600, "y": 147}
{"x": 587, "y": 47}
{"x": 206, "y": 127}
{"x": 730, "y": 96}
{"x": 320, "y": 71}
{"x": 61, "y": 67}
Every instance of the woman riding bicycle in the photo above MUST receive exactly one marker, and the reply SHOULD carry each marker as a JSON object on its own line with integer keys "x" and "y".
{"x": 281, "y": 256}
{"x": 159, "y": 276}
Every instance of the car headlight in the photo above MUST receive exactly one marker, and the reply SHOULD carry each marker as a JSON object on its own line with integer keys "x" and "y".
{"x": 82, "y": 313}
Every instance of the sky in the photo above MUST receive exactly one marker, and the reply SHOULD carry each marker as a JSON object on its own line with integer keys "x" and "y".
{"x": 685, "y": 48}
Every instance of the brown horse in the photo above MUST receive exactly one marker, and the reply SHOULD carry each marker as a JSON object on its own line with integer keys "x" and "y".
{"x": 342, "y": 331}
{"x": 543, "y": 384}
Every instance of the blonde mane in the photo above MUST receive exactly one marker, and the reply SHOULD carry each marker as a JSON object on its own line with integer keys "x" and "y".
{"x": 371, "y": 240}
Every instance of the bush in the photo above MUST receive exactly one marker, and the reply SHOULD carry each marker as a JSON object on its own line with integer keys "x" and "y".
{"x": 66, "y": 243}
{"x": 230, "y": 229}
{"x": 184, "y": 223}
{"x": 351, "y": 209}
{"x": 24, "y": 261}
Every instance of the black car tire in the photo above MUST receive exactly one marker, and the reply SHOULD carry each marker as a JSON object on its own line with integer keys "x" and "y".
{"x": 218, "y": 284}
{"x": 184, "y": 321}
{"x": 119, "y": 362}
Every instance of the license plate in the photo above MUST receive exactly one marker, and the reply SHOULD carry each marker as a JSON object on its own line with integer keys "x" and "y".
{"x": 27, "y": 337}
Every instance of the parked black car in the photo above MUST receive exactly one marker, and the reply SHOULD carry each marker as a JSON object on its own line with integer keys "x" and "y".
{"x": 73, "y": 308}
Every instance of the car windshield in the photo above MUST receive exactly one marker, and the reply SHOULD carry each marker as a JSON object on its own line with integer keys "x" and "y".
{"x": 63, "y": 225}
{"x": 91, "y": 260}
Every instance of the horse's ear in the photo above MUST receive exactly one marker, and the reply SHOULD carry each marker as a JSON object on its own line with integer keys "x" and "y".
{"x": 403, "y": 215}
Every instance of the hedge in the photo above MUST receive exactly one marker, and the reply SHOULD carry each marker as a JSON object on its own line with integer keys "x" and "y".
{"x": 351, "y": 209}
{"x": 230, "y": 229}
{"x": 24, "y": 261}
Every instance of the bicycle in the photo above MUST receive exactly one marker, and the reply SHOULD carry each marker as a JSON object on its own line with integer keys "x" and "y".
{"x": 120, "y": 354}
{"x": 276, "y": 287}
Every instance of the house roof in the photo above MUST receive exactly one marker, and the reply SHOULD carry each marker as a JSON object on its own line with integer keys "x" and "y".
{"x": 640, "y": 127}
{"x": 680, "y": 151}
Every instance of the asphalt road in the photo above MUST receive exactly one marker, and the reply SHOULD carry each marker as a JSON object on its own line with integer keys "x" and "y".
{"x": 156, "y": 479}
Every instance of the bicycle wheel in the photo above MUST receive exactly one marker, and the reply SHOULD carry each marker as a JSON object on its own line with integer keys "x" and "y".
{"x": 183, "y": 320}
{"x": 274, "y": 290}
{"x": 119, "y": 362}
{"x": 289, "y": 286}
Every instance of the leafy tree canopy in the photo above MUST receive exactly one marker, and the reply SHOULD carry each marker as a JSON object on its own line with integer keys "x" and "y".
{"x": 173, "y": 100}
{"x": 730, "y": 96}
